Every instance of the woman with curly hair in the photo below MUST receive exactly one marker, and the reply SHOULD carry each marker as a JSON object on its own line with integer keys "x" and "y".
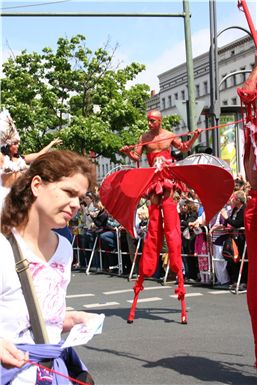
{"x": 45, "y": 197}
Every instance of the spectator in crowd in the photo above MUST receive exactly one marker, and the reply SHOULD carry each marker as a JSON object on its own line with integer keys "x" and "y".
{"x": 235, "y": 221}
{"x": 188, "y": 214}
{"x": 99, "y": 217}
{"x": 218, "y": 236}
{"x": 46, "y": 196}
{"x": 85, "y": 230}
{"x": 141, "y": 223}
{"x": 108, "y": 241}
{"x": 239, "y": 184}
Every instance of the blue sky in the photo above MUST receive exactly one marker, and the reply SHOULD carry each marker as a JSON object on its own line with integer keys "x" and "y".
{"x": 156, "y": 42}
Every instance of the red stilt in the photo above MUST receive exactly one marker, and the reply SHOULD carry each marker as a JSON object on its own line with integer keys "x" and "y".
{"x": 153, "y": 242}
{"x": 150, "y": 256}
{"x": 250, "y": 222}
{"x": 173, "y": 239}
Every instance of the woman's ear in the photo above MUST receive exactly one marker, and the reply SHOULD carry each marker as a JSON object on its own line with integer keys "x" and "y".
{"x": 36, "y": 184}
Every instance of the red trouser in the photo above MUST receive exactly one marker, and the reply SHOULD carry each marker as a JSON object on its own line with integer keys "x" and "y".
{"x": 250, "y": 222}
{"x": 154, "y": 238}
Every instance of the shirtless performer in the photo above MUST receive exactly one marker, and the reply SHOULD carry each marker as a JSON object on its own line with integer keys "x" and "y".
{"x": 163, "y": 209}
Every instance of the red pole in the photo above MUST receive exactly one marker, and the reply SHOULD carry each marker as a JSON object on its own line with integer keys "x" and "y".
{"x": 242, "y": 3}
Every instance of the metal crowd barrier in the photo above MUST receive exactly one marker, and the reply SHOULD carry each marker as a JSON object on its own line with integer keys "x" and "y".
{"x": 209, "y": 273}
{"x": 98, "y": 248}
{"x": 231, "y": 231}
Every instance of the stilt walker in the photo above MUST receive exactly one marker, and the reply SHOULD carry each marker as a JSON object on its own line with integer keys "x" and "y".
{"x": 121, "y": 191}
{"x": 248, "y": 96}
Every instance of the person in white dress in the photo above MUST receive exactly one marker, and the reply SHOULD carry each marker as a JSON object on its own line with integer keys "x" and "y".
{"x": 11, "y": 162}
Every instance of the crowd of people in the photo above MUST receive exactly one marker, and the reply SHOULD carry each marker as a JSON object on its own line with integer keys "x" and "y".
{"x": 94, "y": 223}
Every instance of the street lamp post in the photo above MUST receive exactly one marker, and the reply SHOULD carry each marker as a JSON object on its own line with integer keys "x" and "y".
{"x": 215, "y": 108}
{"x": 190, "y": 70}
{"x": 214, "y": 92}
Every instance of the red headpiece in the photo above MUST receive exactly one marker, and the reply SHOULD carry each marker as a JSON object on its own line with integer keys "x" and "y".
{"x": 154, "y": 115}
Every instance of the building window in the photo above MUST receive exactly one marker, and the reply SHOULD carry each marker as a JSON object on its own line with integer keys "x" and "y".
{"x": 225, "y": 102}
{"x": 224, "y": 82}
{"x": 234, "y": 103}
{"x": 163, "y": 104}
{"x": 176, "y": 96}
{"x": 232, "y": 52}
{"x": 233, "y": 80}
{"x": 243, "y": 74}
{"x": 102, "y": 169}
{"x": 197, "y": 90}
{"x": 205, "y": 86}
{"x": 169, "y": 100}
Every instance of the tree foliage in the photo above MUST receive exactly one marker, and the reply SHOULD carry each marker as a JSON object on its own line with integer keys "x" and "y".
{"x": 55, "y": 93}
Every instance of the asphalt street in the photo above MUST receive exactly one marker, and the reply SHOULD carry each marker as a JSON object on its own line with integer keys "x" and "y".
{"x": 215, "y": 347}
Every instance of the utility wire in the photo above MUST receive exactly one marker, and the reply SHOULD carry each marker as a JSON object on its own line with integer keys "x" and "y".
{"x": 36, "y": 5}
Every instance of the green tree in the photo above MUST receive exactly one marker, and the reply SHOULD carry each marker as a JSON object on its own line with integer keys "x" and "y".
{"x": 53, "y": 93}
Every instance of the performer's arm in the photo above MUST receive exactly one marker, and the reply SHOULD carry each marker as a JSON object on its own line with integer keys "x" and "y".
{"x": 186, "y": 146}
{"x": 31, "y": 157}
{"x": 133, "y": 154}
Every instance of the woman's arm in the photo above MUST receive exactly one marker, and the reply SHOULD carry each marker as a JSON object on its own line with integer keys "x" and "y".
{"x": 31, "y": 157}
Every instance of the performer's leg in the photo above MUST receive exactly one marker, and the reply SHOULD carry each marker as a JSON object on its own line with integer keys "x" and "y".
{"x": 173, "y": 238}
{"x": 251, "y": 236}
{"x": 150, "y": 255}
{"x": 152, "y": 243}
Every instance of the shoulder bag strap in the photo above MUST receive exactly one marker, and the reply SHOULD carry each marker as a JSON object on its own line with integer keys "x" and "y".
{"x": 35, "y": 314}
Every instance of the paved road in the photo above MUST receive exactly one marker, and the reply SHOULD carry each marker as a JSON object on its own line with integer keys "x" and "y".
{"x": 216, "y": 347}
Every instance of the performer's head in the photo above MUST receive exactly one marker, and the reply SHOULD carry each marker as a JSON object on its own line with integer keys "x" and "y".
{"x": 154, "y": 118}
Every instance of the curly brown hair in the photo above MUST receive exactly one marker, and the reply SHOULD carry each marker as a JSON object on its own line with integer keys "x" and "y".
{"x": 51, "y": 167}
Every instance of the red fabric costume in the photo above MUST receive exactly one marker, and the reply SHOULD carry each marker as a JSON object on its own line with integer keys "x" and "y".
{"x": 248, "y": 95}
{"x": 121, "y": 191}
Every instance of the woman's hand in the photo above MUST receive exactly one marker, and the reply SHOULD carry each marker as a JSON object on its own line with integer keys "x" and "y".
{"x": 73, "y": 318}
{"x": 10, "y": 356}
